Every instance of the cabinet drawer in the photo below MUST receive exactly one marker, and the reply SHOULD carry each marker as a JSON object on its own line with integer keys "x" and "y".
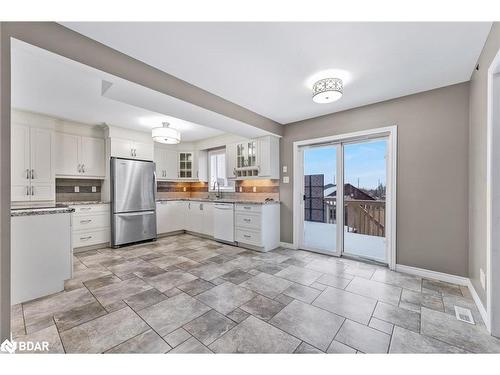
{"x": 85, "y": 222}
{"x": 87, "y": 238}
{"x": 253, "y": 208}
{"x": 90, "y": 209}
{"x": 251, "y": 221}
{"x": 248, "y": 236}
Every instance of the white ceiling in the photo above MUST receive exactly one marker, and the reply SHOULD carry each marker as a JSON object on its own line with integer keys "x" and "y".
{"x": 265, "y": 67}
{"x": 46, "y": 83}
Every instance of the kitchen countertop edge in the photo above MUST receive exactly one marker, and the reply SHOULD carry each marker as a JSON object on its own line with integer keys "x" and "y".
{"x": 235, "y": 201}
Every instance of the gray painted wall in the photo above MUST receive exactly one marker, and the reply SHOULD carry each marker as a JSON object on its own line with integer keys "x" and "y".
{"x": 477, "y": 160}
{"x": 432, "y": 172}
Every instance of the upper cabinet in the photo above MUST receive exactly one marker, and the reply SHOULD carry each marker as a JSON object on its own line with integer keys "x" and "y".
{"x": 254, "y": 158}
{"x": 125, "y": 148}
{"x": 32, "y": 164}
{"x": 166, "y": 163}
{"x": 172, "y": 164}
{"x": 78, "y": 156}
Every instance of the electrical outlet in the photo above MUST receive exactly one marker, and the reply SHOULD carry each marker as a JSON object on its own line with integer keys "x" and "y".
{"x": 241, "y": 189}
{"x": 77, "y": 189}
{"x": 285, "y": 169}
{"x": 184, "y": 189}
{"x": 482, "y": 277}
{"x": 286, "y": 179}
{"x": 254, "y": 189}
{"x": 94, "y": 189}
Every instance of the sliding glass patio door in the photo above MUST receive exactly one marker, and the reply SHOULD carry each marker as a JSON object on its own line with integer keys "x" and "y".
{"x": 343, "y": 198}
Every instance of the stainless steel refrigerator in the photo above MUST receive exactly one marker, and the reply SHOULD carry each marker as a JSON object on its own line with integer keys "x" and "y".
{"x": 133, "y": 201}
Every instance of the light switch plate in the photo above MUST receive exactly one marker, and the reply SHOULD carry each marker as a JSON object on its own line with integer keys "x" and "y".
{"x": 184, "y": 188}
{"x": 77, "y": 189}
{"x": 254, "y": 189}
{"x": 286, "y": 179}
{"x": 285, "y": 169}
{"x": 241, "y": 189}
{"x": 94, "y": 189}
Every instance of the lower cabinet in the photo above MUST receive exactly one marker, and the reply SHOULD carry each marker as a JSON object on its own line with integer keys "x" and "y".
{"x": 193, "y": 216}
{"x": 90, "y": 225}
{"x": 257, "y": 226}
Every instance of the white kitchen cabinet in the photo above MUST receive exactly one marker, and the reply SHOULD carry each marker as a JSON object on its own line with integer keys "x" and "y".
{"x": 268, "y": 156}
{"x": 257, "y": 226}
{"x": 163, "y": 217}
{"x": 32, "y": 164}
{"x": 78, "y": 156}
{"x": 166, "y": 163}
{"x": 91, "y": 226}
{"x": 92, "y": 157}
{"x": 202, "y": 165}
{"x": 125, "y": 148}
{"x": 231, "y": 160}
{"x": 253, "y": 158}
{"x": 208, "y": 219}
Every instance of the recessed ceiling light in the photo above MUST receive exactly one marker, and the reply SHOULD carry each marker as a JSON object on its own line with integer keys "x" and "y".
{"x": 327, "y": 90}
{"x": 166, "y": 134}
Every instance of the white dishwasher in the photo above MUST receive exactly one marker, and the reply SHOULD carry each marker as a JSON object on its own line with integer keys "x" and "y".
{"x": 224, "y": 222}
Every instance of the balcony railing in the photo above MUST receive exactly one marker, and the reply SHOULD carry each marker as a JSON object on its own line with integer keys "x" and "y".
{"x": 360, "y": 216}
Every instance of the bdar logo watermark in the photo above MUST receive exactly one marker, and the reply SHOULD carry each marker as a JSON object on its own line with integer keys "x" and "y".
{"x": 12, "y": 346}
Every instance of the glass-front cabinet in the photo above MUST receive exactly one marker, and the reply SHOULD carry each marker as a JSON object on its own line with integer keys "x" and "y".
{"x": 246, "y": 159}
{"x": 186, "y": 165}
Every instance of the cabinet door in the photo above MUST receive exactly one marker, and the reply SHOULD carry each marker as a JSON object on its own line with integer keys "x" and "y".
{"x": 202, "y": 166}
{"x": 231, "y": 160}
{"x": 121, "y": 148}
{"x": 185, "y": 165}
{"x": 41, "y": 156}
{"x": 66, "y": 154}
{"x": 92, "y": 157}
{"x": 159, "y": 159}
{"x": 208, "y": 219}
{"x": 171, "y": 171}
{"x": 197, "y": 209}
{"x": 179, "y": 214}
{"x": 20, "y": 163}
{"x": 143, "y": 151}
{"x": 162, "y": 218}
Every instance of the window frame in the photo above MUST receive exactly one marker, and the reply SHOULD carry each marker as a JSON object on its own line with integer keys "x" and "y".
{"x": 230, "y": 187}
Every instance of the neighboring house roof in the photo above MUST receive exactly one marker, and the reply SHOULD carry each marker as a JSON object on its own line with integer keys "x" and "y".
{"x": 330, "y": 190}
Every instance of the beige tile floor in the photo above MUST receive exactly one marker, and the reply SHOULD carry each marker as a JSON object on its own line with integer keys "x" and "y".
{"x": 184, "y": 294}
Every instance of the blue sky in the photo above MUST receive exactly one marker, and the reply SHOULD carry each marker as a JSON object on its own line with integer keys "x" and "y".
{"x": 361, "y": 160}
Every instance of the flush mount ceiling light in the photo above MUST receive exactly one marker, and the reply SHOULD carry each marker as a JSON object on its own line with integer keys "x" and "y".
{"x": 166, "y": 134}
{"x": 327, "y": 90}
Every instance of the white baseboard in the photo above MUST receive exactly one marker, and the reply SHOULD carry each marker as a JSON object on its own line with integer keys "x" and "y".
{"x": 479, "y": 304}
{"x": 288, "y": 245}
{"x": 459, "y": 280}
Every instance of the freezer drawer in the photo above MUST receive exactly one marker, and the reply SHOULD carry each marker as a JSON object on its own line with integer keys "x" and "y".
{"x": 133, "y": 227}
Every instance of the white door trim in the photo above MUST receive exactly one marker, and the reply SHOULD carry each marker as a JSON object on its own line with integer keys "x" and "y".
{"x": 391, "y": 201}
{"x": 493, "y": 199}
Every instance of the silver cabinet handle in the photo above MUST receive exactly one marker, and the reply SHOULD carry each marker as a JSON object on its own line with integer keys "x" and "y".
{"x": 247, "y": 236}
{"x": 32, "y": 174}
{"x": 27, "y": 174}
{"x": 85, "y": 208}
{"x": 131, "y": 152}
{"x": 85, "y": 221}
{"x": 27, "y": 190}
{"x": 85, "y": 238}
{"x": 247, "y": 207}
{"x": 32, "y": 190}
{"x": 83, "y": 168}
{"x": 79, "y": 168}
{"x": 135, "y": 152}
{"x": 247, "y": 220}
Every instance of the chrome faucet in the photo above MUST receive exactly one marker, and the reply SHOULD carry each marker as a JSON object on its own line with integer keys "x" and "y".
{"x": 218, "y": 195}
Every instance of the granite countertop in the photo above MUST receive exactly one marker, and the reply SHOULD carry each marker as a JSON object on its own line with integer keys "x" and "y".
{"x": 82, "y": 203}
{"x": 222, "y": 200}
{"x": 40, "y": 210}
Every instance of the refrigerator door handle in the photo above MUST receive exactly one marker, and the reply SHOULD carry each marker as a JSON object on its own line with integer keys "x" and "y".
{"x": 155, "y": 186}
{"x": 140, "y": 213}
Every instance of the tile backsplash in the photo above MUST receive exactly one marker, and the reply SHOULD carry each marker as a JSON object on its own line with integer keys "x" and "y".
{"x": 244, "y": 189}
{"x": 65, "y": 190}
